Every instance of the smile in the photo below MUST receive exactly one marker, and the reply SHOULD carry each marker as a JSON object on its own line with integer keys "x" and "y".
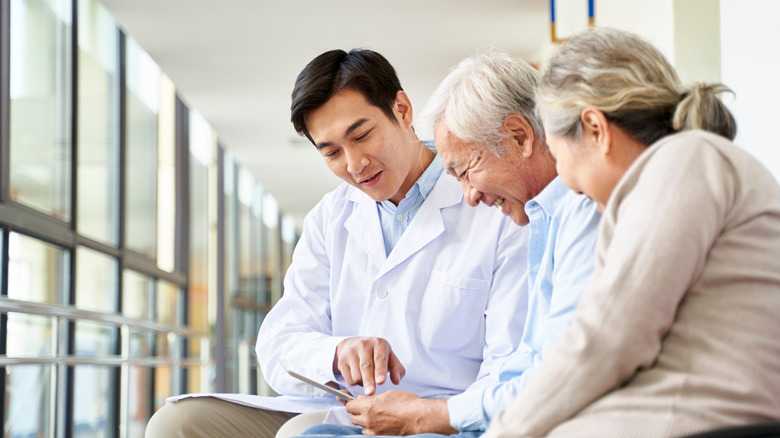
{"x": 498, "y": 202}
{"x": 370, "y": 180}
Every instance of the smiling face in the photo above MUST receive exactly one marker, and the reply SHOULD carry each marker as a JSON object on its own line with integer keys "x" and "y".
{"x": 594, "y": 163}
{"x": 507, "y": 181}
{"x": 362, "y": 146}
{"x": 576, "y": 167}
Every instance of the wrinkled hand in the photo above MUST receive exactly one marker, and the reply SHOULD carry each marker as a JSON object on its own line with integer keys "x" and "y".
{"x": 400, "y": 413}
{"x": 366, "y": 361}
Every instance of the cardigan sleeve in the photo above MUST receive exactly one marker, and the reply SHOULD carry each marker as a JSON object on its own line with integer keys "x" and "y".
{"x": 658, "y": 227}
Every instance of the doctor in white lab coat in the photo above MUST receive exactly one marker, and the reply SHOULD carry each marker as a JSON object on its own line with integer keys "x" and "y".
{"x": 448, "y": 299}
{"x": 396, "y": 282}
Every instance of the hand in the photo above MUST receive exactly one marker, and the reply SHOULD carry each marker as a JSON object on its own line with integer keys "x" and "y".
{"x": 367, "y": 361}
{"x": 400, "y": 413}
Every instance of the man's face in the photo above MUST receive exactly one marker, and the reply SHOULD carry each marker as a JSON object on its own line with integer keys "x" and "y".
{"x": 486, "y": 177}
{"x": 365, "y": 148}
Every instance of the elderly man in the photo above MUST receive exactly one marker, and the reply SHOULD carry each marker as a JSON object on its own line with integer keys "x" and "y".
{"x": 490, "y": 139}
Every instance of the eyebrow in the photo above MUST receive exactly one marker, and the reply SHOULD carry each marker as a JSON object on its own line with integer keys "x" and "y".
{"x": 451, "y": 168}
{"x": 350, "y": 129}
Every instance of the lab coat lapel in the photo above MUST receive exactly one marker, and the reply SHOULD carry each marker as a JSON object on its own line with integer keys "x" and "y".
{"x": 427, "y": 224}
{"x": 363, "y": 225}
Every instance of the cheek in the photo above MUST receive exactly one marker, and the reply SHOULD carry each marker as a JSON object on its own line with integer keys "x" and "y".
{"x": 337, "y": 167}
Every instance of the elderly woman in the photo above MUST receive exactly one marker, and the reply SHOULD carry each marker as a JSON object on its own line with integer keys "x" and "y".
{"x": 678, "y": 331}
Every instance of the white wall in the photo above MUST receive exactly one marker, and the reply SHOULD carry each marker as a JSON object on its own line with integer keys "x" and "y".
{"x": 697, "y": 40}
{"x": 750, "y": 65}
{"x": 653, "y": 20}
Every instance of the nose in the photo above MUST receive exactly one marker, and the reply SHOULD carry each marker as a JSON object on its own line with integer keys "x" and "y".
{"x": 356, "y": 162}
{"x": 471, "y": 194}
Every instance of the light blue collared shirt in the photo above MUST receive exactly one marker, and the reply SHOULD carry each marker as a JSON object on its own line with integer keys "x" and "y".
{"x": 395, "y": 220}
{"x": 561, "y": 251}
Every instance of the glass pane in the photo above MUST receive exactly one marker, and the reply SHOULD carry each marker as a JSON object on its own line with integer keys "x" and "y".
{"x": 139, "y": 401}
{"x": 96, "y": 281}
{"x": 29, "y": 399}
{"x": 163, "y": 385}
{"x": 166, "y": 174}
{"x": 37, "y": 271}
{"x": 201, "y": 146}
{"x": 98, "y": 99}
{"x": 40, "y": 107}
{"x": 95, "y": 339}
{"x": 169, "y": 303}
{"x": 272, "y": 254}
{"x": 30, "y": 336}
{"x": 141, "y": 343}
{"x": 143, "y": 103}
{"x": 194, "y": 382}
{"x": 249, "y": 262}
{"x": 136, "y": 295}
{"x": 92, "y": 401}
{"x": 289, "y": 239}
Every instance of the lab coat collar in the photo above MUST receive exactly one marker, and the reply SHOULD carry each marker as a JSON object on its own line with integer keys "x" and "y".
{"x": 426, "y": 226}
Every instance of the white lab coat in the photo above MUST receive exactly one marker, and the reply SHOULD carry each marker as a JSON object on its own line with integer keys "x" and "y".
{"x": 450, "y": 298}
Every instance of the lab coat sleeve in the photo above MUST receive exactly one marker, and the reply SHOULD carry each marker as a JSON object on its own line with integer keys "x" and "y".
{"x": 507, "y": 304}
{"x": 298, "y": 329}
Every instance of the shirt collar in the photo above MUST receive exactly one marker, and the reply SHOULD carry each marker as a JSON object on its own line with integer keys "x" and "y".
{"x": 549, "y": 198}
{"x": 425, "y": 183}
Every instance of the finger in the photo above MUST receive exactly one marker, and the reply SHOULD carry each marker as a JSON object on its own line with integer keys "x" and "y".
{"x": 397, "y": 370}
{"x": 380, "y": 362}
{"x": 346, "y": 372}
{"x": 356, "y": 420}
{"x": 367, "y": 371}
{"x": 355, "y": 407}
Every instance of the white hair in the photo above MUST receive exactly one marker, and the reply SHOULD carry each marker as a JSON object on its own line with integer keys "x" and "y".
{"x": 477, "y": 95}
{"x": 631, "y": 82}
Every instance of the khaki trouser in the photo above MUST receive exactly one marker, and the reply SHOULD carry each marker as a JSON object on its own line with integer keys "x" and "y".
{"x": 214, "y": 418}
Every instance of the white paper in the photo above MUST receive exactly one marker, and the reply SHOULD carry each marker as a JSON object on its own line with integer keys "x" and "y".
{"x": 284, "y": 403}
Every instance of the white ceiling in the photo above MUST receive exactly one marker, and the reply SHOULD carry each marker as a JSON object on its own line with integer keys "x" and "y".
{"x": 235, "y": 62}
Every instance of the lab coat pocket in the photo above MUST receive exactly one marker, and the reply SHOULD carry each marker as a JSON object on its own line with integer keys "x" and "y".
{"x": 452, "y": 310}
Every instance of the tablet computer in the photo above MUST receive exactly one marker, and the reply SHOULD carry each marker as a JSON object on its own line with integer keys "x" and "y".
{"x": 316, "y": 384}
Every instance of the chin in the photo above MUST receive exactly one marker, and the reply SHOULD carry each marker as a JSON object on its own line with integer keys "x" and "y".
{"x": 522, "y": 221}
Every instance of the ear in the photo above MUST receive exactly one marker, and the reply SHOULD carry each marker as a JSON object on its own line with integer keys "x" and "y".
{"x": 595, "y": 130}
{"x": 403, "y": 108}
{"x": 521, "y": 135}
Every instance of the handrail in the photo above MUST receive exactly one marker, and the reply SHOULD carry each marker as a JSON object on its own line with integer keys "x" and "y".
{"x": 70, "y": 312}
{"x": 105, "y": 361}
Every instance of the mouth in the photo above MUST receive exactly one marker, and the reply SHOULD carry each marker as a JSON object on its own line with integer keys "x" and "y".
{"x": 371, "y": 180}
{"x": 498, "y": 202}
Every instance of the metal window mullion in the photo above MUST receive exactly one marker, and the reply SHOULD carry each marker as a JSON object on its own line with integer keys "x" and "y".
{"x": 219, "y": 341}
{"x": 182, "y": 243}
{"x": 66, "y": 374}
{"x": 5, "y": 104}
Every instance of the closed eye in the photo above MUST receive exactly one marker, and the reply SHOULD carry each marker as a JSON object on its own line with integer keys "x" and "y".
{"x": 363, "y": 136}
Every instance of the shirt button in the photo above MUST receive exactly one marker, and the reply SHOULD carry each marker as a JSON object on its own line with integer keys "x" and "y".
{"x": 381, "y": 293}
{"x": 400, "y": 218}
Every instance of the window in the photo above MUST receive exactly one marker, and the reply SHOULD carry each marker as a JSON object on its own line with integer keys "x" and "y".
{"x": 141, "y": 154}
{"x": 40, "y": 107}
{"x": 98, "y": 124}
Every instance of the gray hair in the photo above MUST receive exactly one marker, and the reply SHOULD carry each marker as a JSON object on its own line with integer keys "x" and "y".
{"x": 477, "y": 95}
{"x": 631, "y": 82}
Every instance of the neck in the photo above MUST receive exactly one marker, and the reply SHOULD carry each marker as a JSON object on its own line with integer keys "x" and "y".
{"x": 421, "y": 163}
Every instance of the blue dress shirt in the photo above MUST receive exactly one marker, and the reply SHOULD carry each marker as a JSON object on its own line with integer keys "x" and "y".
{"x": 395, "y": 220}
{"x": 564, "y": 229}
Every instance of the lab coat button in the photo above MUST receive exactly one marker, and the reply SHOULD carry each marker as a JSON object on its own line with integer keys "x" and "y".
{"x": 381, "y": 293}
